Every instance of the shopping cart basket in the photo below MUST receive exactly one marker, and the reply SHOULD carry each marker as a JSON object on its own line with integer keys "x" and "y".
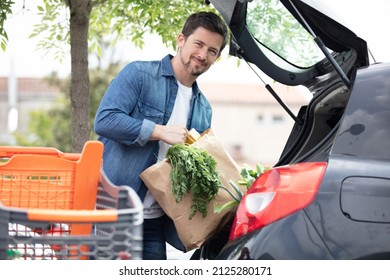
{"x": 55, "y": 205}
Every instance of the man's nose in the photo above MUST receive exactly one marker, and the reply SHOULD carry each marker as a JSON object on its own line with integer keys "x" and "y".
{"x": 203, "y": 53}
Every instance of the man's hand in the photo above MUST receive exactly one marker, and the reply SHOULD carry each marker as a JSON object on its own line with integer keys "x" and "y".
{"x": 170, "y": 134}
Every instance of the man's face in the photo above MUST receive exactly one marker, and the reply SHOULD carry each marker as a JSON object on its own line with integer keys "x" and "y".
{"x": 199, "y": 51}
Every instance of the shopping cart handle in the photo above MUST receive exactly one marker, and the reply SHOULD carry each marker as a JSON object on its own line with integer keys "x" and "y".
{"x": 72, "y": 216}
{"x": 9, "y": 151}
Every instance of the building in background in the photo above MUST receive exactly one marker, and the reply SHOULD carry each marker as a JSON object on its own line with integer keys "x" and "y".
{"x": 18, "y": 97}
{"x": 250, "y": 123}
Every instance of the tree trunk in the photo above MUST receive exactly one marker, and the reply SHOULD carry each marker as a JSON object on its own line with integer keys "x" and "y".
{"x": 79, "y": 90}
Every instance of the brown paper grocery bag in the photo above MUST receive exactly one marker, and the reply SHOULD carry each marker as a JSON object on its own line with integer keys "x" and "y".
{"x": 196, "y": 231}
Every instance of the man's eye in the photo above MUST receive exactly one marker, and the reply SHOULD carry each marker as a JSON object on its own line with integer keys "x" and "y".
{"x": 213, "y": 52}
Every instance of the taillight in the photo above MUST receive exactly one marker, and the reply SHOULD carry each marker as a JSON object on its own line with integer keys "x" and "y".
{"x": 277, "y": 193}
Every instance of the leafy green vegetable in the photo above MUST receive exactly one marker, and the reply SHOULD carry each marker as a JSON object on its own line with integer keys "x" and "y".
{"x": 248, "y": 176}
{"x": 193, "y": 169}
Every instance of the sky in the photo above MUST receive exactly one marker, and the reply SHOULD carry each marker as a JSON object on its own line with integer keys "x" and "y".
{"x": 368, "y": 19}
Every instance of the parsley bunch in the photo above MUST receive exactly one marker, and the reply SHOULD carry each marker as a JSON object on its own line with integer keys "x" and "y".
{"x": 193, "y": 169}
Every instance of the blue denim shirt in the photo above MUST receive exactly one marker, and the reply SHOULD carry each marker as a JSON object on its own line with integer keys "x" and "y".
{"x": 141, "y": 96}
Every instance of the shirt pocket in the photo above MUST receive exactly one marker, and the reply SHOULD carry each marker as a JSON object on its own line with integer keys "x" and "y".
{"x": 149, "y": 111}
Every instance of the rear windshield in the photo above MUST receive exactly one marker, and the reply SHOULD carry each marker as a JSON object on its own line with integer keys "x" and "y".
{"x": 276, "y": 29}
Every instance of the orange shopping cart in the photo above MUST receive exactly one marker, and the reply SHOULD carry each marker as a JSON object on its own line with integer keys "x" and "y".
{"x": 56, "y": 205}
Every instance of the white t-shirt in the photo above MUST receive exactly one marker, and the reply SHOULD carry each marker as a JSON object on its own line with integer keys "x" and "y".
{"x": 179, "y": 116}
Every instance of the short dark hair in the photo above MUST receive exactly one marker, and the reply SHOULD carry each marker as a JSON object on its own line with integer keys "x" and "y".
{"x": 209, "y": 21}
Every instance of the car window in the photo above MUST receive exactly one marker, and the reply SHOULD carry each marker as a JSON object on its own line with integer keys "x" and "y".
{"x": 277, "y": 30}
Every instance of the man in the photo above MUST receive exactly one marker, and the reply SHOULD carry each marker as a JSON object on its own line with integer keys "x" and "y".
{"x": 151, "y": 105}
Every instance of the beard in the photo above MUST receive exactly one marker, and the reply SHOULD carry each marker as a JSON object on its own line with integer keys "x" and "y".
{"x": 196, "y": 70}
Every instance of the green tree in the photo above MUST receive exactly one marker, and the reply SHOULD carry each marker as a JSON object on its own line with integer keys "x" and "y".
{"x": 5, "y": 10}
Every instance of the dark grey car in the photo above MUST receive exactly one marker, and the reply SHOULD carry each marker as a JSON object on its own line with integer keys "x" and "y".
{"x": 328, "y": 197}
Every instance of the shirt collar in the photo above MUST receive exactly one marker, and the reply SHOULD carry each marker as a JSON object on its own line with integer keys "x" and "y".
{"x": 166, "y": 66}
{"x": 167, "y": 70}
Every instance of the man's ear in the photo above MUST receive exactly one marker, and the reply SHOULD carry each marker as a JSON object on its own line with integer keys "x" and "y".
{"x": 180, "y": 40}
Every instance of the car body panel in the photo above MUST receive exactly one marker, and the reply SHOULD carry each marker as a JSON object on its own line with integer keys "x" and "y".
{"x": 370, "y": 109}
{"x": 357, "y": 181}
{"x": 291, "y": 238}
{"x": 345, "y": 237}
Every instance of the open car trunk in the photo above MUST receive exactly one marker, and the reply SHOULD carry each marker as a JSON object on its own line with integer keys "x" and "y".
{"x": 328, "y": 74}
